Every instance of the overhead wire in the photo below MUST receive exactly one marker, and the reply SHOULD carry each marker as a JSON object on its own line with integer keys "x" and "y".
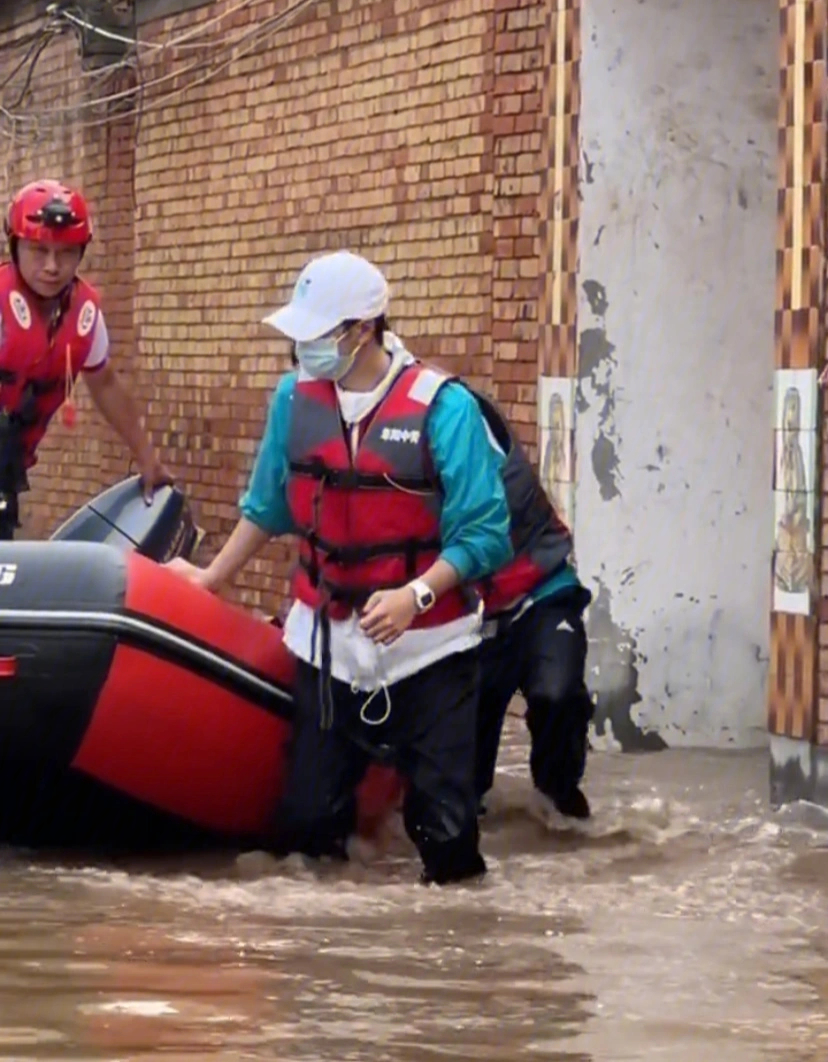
{"x": 174, "y": 43}
{"x": 204, "y": 69}
{"x": 115, "y": 97}
{"x": 39, "y": 49}
{"x": 33, "y": 45}
{"x": 59, "y": 21}
{"x": 37, "y": 40}
{"x": 17, "y": 42}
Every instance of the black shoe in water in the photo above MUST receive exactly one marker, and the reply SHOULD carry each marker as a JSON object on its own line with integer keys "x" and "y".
{"x": 574, "y": 804}
{"x": 472, "y": 868}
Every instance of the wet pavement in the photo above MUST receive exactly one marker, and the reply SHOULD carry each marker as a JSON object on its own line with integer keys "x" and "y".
{"x": 687, "y": 922}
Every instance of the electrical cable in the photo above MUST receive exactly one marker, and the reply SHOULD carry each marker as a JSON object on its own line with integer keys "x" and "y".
{"x": 252, "y": 38}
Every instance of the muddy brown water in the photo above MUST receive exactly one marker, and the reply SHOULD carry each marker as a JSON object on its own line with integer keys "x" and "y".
{"x": 687, "y": 923}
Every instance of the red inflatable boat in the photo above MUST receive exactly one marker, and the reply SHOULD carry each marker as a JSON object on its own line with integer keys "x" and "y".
{"x": 137, "y": 708}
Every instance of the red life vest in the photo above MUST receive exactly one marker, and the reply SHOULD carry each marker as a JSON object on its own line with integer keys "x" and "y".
{"x": 374, "y": 522}
{"x": 541, "y": 541}
{"x": 38, "y": 367}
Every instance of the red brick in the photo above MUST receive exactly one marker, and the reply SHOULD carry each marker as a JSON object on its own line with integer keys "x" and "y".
{"x": 525, "y": 248}
{"x": 526, "y": 123}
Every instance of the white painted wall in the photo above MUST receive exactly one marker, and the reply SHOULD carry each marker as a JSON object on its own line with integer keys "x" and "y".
{"x": 673, "y": 432}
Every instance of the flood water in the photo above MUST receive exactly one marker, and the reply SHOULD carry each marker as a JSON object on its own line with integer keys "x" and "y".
{"x": 687, "y": 923}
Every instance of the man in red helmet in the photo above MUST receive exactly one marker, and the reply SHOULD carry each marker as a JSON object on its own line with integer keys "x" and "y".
{"x": 52, "y": 329}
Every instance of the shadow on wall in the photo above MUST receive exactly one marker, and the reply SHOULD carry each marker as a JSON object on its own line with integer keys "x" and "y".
{"x": 614, "y": 681}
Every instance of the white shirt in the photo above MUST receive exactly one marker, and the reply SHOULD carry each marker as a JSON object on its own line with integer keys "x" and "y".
{"x": 355, "y": 658}
{"x": 99, "y": 351}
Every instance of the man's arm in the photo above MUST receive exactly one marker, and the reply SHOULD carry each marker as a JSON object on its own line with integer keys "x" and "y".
{"x": 244, "y": 542}
{"x": 121, "y": 411}
{"x": 263, "y": 505}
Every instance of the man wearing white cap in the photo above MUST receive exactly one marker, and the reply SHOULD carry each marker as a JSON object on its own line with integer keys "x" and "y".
{"x": 382, "y": 467}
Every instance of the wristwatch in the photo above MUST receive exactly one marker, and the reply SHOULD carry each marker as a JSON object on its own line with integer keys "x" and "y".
{"x": 424, "y": 596}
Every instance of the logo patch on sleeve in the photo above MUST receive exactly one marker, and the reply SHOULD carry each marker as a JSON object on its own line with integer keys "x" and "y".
{"x": 86, "y": 318}
{"x": 20, "y": 309}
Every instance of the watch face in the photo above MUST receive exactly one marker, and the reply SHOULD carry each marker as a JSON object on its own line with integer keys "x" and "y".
{"x": 424, "y": 596}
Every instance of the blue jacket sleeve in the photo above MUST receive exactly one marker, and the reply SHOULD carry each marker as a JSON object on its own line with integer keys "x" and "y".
{"x": 264, "y": 503}
{"x": 475, "y": 517}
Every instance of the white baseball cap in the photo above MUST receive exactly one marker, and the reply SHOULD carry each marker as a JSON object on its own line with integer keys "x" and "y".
{"x": 331, "y": 289}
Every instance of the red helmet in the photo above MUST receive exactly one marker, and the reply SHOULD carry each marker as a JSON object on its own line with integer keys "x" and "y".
{"x": 49, "y": 212}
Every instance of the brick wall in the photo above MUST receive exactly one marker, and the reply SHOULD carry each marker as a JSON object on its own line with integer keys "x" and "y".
{"x": 410, "y": 132}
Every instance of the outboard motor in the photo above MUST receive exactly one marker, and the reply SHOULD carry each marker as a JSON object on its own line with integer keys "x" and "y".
{"x": 120, "y": 517}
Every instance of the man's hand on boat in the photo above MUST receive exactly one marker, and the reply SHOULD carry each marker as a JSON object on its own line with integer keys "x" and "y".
{"x": 154, "y": 473}
{"x": 245, "y": 542}
{"x": 191, "y": 572}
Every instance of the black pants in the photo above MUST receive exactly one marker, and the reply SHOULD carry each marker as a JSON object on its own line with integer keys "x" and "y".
{"x": 8, "y": 517}
{"x": 542, "y": 654}
{"x": 429, "y": 736}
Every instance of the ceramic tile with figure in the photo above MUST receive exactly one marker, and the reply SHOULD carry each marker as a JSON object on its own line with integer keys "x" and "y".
{"x": 562, "y": 496}
{"x": 793, "y": 578}
{"x": 793, "y": 544}
{"x": 794, "y": 460}
{"x": 795, "y": 452}
{"x": 804, "y": 383}
{"x": 556, "y": 404}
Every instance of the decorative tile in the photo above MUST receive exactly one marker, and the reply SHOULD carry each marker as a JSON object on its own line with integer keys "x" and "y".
{"x": 556, "y": 428}
{"x": 557, "y": 455}
{"x": 795, "y": 399}
{"x": 562, "y": 496}
{"x": 792, "y": 581}
{"x": 794, "y": 461}
{"x": 556, "y": 402}
{"x": 794, "y": 519}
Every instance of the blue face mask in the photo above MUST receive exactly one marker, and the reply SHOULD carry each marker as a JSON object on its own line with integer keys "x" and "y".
{"x": 320, "y": 358}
